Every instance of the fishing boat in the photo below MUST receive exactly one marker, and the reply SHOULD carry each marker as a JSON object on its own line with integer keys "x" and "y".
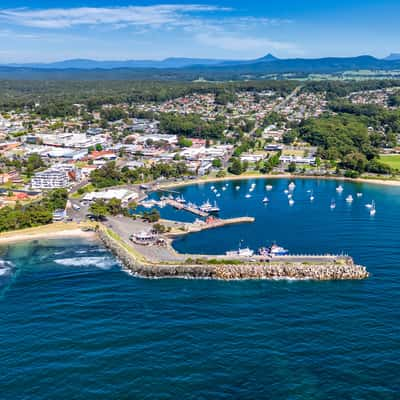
{"x": 273, "y": 250}
{"x": 207, "y": 207}
{"x": 246, "y": 252}
{"x": 339, "y": 189}
{"x": 180, "y": 199}
{"x": 265, "y": 200}
{"x": 349, "y": 198}
{"x": 372, "y": 211}
{"x": 333, "y": 204}
{"x": 269, "y": 187}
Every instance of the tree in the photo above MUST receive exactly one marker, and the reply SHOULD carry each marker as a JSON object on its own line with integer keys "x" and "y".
{"x": 236, "y": 167}
{"x": 292, "y": 167}
{"x": 217, "y": 163}
{"x": 114, "y": 206}
{"x": 151, "y": 216}
{"x": 183, "y": 142}
{"x": 98, "y": 209}
{"x": 159, "y": 229}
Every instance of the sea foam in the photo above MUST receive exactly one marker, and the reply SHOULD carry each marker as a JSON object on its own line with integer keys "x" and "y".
{"x": 99, "y": 262}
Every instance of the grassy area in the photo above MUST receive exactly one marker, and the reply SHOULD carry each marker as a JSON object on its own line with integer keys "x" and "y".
{"x": 85, "y": 189}
{"x": 128, "y": 248}
{"x": 392, "y": 160}
{"x": 44, "y": 229}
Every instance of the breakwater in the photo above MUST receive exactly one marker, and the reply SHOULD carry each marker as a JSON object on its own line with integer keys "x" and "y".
{"x": 321, "y": 271}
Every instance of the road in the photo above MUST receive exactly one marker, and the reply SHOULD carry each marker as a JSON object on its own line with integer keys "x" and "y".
{"x": 283, "y": 104}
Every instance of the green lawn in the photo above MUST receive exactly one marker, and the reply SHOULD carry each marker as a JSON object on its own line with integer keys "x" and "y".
{"x": 392, "y": 160}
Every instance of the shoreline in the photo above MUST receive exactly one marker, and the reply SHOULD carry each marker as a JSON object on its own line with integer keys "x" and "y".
{"x": 46, "y": 232}
{"x": 372, "y": 181}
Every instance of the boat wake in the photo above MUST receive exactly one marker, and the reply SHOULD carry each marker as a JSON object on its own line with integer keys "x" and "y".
{"x": 99, "y": 262}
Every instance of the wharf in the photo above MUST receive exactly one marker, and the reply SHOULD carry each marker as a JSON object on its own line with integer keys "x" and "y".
{"x": 185, "y": 207}
{"x": 202, "y": 226}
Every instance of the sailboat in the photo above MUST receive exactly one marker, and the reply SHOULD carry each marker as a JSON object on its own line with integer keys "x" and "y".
{"x": 372, "y": 211}
{"x": 333, "y": 204}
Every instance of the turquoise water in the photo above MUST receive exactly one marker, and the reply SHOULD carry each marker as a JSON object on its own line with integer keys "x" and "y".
{"x": 74, "y": 325}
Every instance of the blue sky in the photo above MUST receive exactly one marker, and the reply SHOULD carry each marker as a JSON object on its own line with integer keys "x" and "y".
{"x": 39, "y": 30}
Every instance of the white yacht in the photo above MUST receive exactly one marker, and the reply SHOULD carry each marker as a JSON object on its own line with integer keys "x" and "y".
{"x": 269, "y": 187}
{"x": 240, "y": 253}
{"x": 372, "y": 211}
{"x": 292, "y": 186}
{"x": 209, "y": 208}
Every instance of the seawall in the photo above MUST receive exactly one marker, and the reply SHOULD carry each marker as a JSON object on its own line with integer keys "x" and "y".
{"x": 275, "y": 270}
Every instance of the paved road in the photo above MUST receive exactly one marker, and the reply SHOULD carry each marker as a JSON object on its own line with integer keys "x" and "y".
{"x": 125, "y": 227}
{"x": 283, "y": 104}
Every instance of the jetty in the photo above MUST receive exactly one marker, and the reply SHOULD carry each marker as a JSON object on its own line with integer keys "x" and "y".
{"x": 210, "y": 223}
{"x": 186, "y": 207}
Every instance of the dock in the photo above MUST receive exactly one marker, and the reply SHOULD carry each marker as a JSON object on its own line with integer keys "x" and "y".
{"x": 214, "y": 223}
{"x": 180, "y": 206}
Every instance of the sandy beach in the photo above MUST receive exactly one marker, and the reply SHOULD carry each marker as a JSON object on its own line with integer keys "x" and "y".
{"x": 372, "y": 181}
{"x": 52, "y": 231}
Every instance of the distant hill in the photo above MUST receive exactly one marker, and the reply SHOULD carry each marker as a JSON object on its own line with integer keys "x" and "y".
{"x": 172, "y": 62}
{"x": 192, "y": 68}
{"x": 393, "y": 57}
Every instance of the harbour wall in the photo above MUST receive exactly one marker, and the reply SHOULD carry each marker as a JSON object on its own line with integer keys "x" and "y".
{"x": 321, "y": 271}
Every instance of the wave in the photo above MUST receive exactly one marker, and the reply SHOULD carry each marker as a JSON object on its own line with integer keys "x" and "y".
{"x": 6, "y": 268}
{"x": 99, "y": 262}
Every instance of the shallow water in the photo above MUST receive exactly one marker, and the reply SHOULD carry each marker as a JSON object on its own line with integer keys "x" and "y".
{"x": 74, "y": 325}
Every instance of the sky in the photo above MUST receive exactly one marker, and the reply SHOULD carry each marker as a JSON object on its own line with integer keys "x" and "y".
{"x": 45, "y": 30}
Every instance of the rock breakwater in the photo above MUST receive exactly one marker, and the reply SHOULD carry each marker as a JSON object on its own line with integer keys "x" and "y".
{"x": 280, "y": 270}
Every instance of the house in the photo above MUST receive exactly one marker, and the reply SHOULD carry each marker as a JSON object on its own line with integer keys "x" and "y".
{"x": 297, "y": 160}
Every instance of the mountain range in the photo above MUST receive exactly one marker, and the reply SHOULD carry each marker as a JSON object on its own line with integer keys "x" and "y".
{"x": 173, "y": 62}
{"x": 193, "y": 68}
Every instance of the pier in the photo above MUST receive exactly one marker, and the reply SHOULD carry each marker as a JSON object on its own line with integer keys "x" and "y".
{"x": 211, "y": 223}
{"x": 185, "y": 207}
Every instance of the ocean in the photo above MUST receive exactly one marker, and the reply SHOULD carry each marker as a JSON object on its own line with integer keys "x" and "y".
{"x": 75, "y": 325}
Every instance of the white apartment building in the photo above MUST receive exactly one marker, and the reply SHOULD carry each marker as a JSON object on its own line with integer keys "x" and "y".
{"x": 50, "y": 179}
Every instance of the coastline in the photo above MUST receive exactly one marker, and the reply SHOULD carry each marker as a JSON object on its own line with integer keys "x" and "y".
{"x": 372, "y": 181}
{"x": 52, "y": 231}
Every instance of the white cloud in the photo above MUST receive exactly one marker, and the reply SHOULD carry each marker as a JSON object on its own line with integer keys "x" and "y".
{"x": 57, "y": 18}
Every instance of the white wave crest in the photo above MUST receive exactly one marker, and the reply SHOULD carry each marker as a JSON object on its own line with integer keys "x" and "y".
{"x": 99, "y": 262}
{"x": 6, "y": 268}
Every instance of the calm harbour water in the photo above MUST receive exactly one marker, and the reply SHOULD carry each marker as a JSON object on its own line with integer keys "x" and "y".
{"x": 74, "y": 325}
